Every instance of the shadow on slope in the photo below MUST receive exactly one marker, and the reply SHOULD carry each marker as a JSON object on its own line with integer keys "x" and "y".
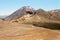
{"x": 54, "y": 26}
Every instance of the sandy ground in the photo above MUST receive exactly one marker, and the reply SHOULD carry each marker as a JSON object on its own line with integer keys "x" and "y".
{"x": 15, "y": 31}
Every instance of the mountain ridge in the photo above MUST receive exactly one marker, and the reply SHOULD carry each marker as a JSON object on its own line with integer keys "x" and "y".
{"x": 50, "y": 14}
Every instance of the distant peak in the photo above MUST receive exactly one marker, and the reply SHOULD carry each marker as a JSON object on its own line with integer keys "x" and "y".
{"x": 21, "y": 12}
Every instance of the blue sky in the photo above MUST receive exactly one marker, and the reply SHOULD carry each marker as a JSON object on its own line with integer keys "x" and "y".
{"x": 9, "y": 6}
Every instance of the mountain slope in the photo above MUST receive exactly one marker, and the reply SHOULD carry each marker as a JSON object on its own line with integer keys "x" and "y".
{"x": 19, "y": 13}
{"x": 30, "y": 25}
{"x": 55, "y": 14}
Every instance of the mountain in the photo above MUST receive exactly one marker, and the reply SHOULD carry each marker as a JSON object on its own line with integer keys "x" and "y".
{"x": 40, "y": 18}
{"x": 20, "y": 12}
{"x": 55, "y": 14}
{"x": 50, "y": 14}
{"x": 42, "y": 13}
{"x": 29, "y": 24}
{"x": 27, "y": 15}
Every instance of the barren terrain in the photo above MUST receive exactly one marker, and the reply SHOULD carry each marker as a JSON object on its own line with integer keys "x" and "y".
{"x": 29, "y": 24}
{"x": 15, "y": 31}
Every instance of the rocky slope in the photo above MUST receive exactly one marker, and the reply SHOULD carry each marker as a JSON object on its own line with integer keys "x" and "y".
{"x": 55, "y": 14}
{"x": 51, "y": 14}
{"x": 31, "y": 25}
{"x": 19, "y": 13}
{"x": 41, "y": 18}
